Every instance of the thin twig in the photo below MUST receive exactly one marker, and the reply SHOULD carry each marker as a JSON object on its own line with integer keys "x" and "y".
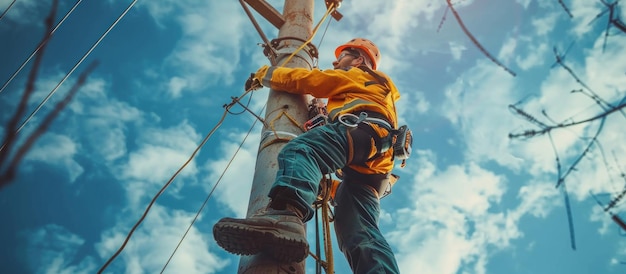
{"x": 475, "y": 41}
{"x": 11, "y": 133}
{"x": 569, "y": 13}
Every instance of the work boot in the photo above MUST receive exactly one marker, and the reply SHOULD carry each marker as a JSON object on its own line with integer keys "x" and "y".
{"x": 278, "y": 233}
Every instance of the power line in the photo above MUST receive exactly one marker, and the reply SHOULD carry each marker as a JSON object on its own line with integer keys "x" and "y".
{"x": 72, "y": 70}
{"x": 39, "y": 46}
{"x": 7, "y": 9}
{"x": 210, "y": 193}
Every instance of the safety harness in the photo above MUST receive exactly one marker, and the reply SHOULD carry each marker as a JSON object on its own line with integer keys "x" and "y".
{"x": 400, "y": 139}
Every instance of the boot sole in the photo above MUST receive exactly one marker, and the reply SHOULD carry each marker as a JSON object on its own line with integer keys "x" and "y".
{"x": 250, "y": 240}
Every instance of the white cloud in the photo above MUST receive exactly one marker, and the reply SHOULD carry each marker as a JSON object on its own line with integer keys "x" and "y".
{"x": 394, "y": 26}
{"x": 104, "y": 119}
{"x": 604, "y": 75}
{"x": 176, "y": 86}
{"x": 93, "y": 116}
{"x": 25, "y": 11}
{"x": 457, "y": 50}
{"x": 234, "y": 188}
{"x": 604, "y": 69}
{"x": 456, "y": 223}
{"x": 477, "y": 104}
{"x": 57, "y": 150}
{"x": 537, "y": 199}
{"x": 583, "y": 13}
{"x": 545, "y": 24}
{"x": 161, "y": 153}
{"x": 412, "y": 104}
{"x": 508, "y": 49}
{"x": 208, "y": 51}
{"x": 524, "y": 3}
{"x": 52, "y": 249}
{"x": 144, "y": 254}
{"x": 453, "y": 223}
{"x": 536, "y": 56}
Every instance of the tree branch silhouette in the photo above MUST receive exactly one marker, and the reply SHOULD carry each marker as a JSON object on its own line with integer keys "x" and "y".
{"x": 8, "y": 164}
{"x": 474, "y": 40}
{"x": 569, "y": 13}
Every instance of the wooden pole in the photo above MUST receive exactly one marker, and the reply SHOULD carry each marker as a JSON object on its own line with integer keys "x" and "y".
{"x": 281, "y": 106}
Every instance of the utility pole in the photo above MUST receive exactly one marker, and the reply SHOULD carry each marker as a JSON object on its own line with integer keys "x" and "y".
{"x": 295, "y": 27}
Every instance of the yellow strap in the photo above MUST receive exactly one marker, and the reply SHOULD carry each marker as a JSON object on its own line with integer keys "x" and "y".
{"x": 356, "y": 102}
{"x": 328, "y": 246}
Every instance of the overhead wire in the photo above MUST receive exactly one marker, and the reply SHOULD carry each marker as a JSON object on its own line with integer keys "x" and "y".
{"x": 211, "y": 192}
{"x": 32, "y": 114}
{"x": 167, "y": 184}
{"x": 9, "y": 138}
{"x": 243, "y": 141}
{"x": 7, "y": 9}
{"x": 316, "y": 64}
{"x": 206, "y": 138}
{"x": 39, "y": 46}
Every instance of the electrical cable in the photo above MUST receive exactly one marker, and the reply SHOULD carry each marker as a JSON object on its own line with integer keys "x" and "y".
{"x": 211, "y": 193}
{"x": 38, "y": 47}
{"x": 235, "y": 100}
{"x": 130, "y": 233}
{"x": 7, "y": 9}
{"x": 72, "y": 70}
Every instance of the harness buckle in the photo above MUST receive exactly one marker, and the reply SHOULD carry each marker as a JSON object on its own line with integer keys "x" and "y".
{"x": 318, "y": 120}
{"x": 351, "y": 120}
{"x": 318, "y": 114}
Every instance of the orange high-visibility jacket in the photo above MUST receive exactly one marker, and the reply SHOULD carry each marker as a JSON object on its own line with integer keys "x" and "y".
{"x": 348, "y": 91}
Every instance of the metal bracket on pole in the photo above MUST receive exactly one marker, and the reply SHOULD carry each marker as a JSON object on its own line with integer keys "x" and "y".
{"x": 335, "y": 14}
{"x": 268, "y": 12}
{"x": 284, "y": 50}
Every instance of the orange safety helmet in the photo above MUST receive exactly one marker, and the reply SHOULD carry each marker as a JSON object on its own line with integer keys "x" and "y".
{"x": 363, "y": 44}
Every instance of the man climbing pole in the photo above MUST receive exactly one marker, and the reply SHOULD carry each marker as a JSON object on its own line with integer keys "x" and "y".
{"x": 359, "y": 139}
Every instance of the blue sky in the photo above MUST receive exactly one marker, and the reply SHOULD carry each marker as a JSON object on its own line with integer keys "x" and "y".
{"x": 471, "y": 200}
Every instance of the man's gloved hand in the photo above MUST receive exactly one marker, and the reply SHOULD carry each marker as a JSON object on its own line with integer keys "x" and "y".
{"x": 254, "y": 81}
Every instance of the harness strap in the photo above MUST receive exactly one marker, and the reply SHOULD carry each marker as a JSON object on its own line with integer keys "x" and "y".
{"x": 382, "y": 143}
{"x": 364, "y": 122}
{"x": 356, "y": 102}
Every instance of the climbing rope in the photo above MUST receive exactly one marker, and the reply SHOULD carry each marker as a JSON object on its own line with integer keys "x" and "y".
{"x": 326, "y": 184}
{"x": 330, "y": 9}
{"x": 210, "y": 193}
{"x": 278, "y": 138}
{"x": 167, "y": 184}
{"x": 327, "y": 190}
{"x": 206, "y": 138}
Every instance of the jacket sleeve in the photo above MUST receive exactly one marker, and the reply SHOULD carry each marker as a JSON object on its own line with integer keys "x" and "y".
{"x": 319, "y": 83}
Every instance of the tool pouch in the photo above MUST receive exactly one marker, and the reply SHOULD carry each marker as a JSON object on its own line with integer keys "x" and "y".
{"x": 403, "y": 144}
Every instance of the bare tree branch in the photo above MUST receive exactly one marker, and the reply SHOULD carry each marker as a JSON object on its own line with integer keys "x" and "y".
{"x": 29, "y": 89}
{"x": 566, "y": 9}
{"x": 475, "y": 41}
{"x": 619, "y": 24}
{"x": 8, "y": 172}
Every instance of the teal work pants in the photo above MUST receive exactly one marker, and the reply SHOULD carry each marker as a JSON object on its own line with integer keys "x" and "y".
{"x": 302, "y": 163}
